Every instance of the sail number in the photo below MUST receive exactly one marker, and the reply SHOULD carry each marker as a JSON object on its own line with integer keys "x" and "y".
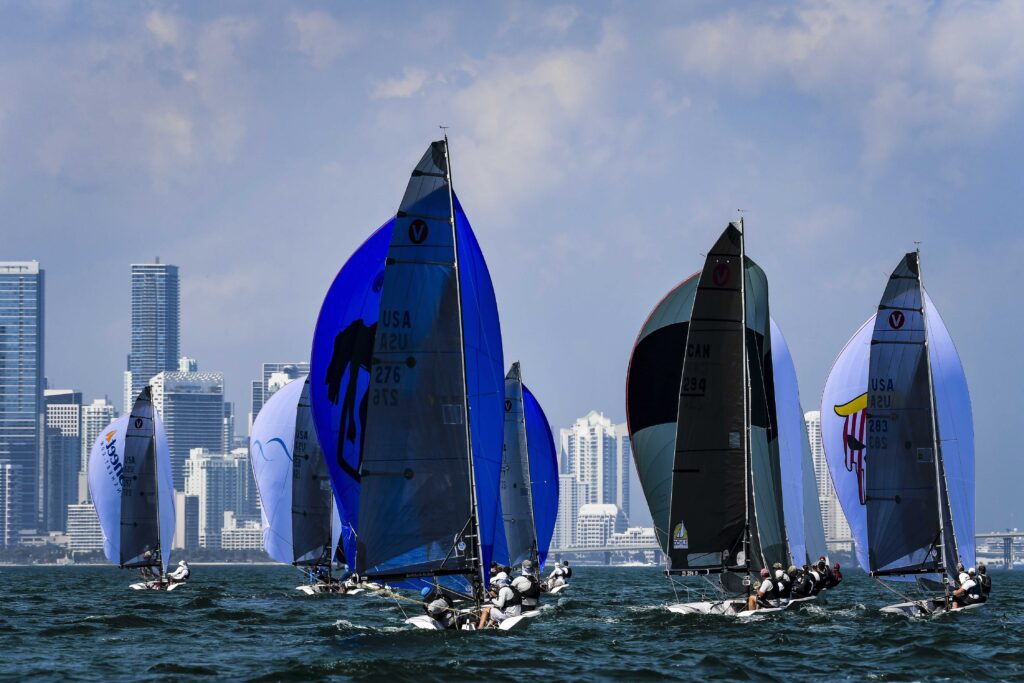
{"x": 694, "y": 386}
{"x": 387, "y": 374}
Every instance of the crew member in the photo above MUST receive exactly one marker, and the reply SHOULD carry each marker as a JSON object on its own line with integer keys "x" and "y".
{"x": 559, "y": 575}
{"x": 438, "y": 606}
{"x": 984, "y": 581}
{"x": 505, "y": 602}
{"x": 181, "y": 573}
{"x": 527, "y": 585}
{"x": 765, "y": 592}
{"x": 835, "y": 577}
{"x": 968, "y": 593}
{"x": 803, "y": 585}
{"x": 783, "y": 587}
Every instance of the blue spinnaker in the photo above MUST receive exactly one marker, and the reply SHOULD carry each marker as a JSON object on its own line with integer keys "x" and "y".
{"x": 543, "y": 472}
{"x": 485, "y": 379}
{"x": 340, "y": 372}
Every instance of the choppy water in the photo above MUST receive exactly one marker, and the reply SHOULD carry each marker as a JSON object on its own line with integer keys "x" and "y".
{"x": 248, "y": 623}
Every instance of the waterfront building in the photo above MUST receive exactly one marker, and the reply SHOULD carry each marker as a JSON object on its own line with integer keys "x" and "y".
{"x": 156, "y": 336}
{"x": 595, "y": 524}
{"x": 62, "y": 456}
{"x": 236, "y": 535}
{"x": 222, "y": 483}
{"x": 191, "y": 405}
{"x": 273, "y": 377}
{"x": 95, "y": 418}
{"x": 568, "y": 505}
{"x": 186, "y": 521}
{"x": 21, "y": 385}
{"x": 837, "y": 530}
{"x": 10, "y": 503}
{"x": 84, "y": 531}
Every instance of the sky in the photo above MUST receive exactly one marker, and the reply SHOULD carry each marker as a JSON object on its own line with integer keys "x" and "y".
{"x": 598, "y": 148}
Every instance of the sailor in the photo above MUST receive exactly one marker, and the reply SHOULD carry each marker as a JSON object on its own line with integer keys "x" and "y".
{"x": 835, "y": 577}
{"x": 148, "y": 572}
{"x": 984, "y": 581}
{"x": 559, "y": 575}
{"x": 528, "y": 586}
{"x": 803, "y": 585}
{"x": 506, "y": 602}
{"x": 968, "y": 592}
{"x": 766, "y": 592}
{"x": 821, "y": 572}
{"x": 181, "y": 573}
{"x": 783, "y": 587}
{"x": 815, "y": 577}
{"x": 438, "y": 606}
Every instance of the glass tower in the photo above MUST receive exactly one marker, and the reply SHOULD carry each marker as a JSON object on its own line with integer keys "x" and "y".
{"x": 156, "y": 337}
{"x": 21, "y": 387}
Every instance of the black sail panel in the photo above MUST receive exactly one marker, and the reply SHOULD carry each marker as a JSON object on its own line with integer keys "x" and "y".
{"x": 415, "y": 505}
{"x": 140, "y": 512}
{"x": 652, "y": 398}
{"x": 312, "y": 500}
{"x": 708, "y": 508}
{"x": 903, "y": 520}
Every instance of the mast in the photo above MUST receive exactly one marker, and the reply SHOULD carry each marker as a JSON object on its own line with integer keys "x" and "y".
{"x": 474, "y": 523}
{"x": 935, "y": 427}
{"x": 747, "y": 483}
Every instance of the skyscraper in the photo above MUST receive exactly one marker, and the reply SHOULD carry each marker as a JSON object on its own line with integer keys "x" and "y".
{"x": 274, "y": 376}
{"x": 156, "y": 312}
{"x": 62, "y": 456}
{"x": 222, "y": 483}
{"x": 832, "y": 517}
{"x": 21, "y": 386}
{"x": 191, "y": 405}
{"x": 95, "y": 417}
{"x": 10, "y": 503}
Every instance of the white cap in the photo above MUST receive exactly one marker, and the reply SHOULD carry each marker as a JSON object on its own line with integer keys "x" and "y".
{"x": 181, "y": 562}
{"x": 779, "y": 573}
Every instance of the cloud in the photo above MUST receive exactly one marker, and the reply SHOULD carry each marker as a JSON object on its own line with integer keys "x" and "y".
{"x": 163, "y": 26}
{"x": 559, "y": 18}
{"x": 906, "y": 74}
{"x": 407, "y": 85}
{"x": 321, "y": 37}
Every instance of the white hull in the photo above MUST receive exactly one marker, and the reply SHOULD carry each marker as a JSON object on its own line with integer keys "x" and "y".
{"x": 155, "y": 585}
{"x": 925, "y": 608}
{"x": 558, "y": 589}
{"x": 428, "y": 623}
{"x": 737, "y": 607}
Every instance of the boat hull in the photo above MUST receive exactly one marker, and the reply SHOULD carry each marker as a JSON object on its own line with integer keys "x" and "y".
{"x": 926, "y": 608}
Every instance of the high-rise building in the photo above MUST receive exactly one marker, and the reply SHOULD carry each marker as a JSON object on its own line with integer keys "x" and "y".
{"x": 568, "y": 505}
{"x": 191, "y": 405}
{"x": 156, "y": 336}
{"x": 95, "y": 417}
{"x": 596, "y": 523}
{"x": 10, "y": 500}
{"x": 84, "y": 531}
{"x": 837, "y": 530}
{"x": 236, "y": 535}
{"x": 228, "y": 439}
{"x": 62, "y": 459}
{"x": 624, "y": 470}
{"x": 186, "y": 521}
{"x": 22, "y": 383}
{"x": 274, "y": 376}
{"x": 222, "y": 483}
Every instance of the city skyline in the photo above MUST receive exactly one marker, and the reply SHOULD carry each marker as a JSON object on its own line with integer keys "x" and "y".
{"x": 186, "y": 145}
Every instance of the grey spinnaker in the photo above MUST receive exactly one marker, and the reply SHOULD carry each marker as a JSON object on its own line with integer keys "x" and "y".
{"x": 516, "y": 499}
{"x": 140, "y": 507}
{"x": 312, "y": 500}
{"x": 901, "y": 495}
{"x": 416, "y": 509}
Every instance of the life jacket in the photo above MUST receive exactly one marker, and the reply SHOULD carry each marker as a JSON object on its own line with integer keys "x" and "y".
{"x": 985, "y": 581}
{"x": 515, "y": 600}
{"x": 802, "y": 586}
{"x": 783, "y": 588}
{"x": 566, "y": 573}
{"x": 532, "y": 594}
{"x": 974, "y": 592}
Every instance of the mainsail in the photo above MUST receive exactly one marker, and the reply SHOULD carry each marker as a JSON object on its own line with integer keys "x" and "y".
{"x": 131, "y": 487}
{"x": 431, "y": 452}
{"x": 702, "y": 418}
{"x": 520, "y": 533}
{"x": 291, "y": 475}
{"x": 543, "y": 472}
{"x": 850, "y": 427}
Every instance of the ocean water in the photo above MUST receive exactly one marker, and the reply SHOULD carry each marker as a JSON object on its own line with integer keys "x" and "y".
{"x": 248, "y": 623}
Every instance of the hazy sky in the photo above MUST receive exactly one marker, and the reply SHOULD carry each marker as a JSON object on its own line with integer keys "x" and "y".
{"x": 598, "y": 149}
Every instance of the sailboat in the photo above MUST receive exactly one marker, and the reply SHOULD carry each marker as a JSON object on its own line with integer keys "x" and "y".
{"x": 702, "y": 419}
{"x": 899, "y": 440}
{"x": 133, "y": 493}
{"x": 296, "y": 501}
{"x": 529, "y": 480}
{"x": 407, "y": 389}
